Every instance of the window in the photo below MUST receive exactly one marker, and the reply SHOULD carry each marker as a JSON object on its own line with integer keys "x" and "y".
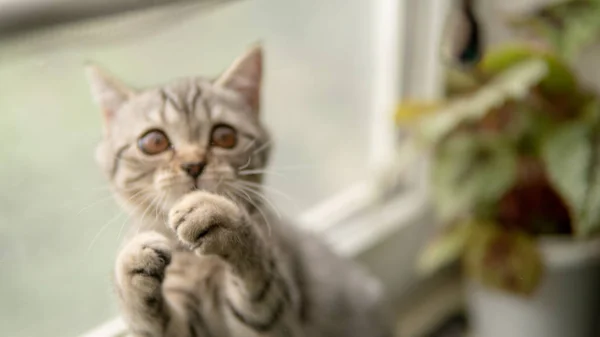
{"x": 334, "y": 71}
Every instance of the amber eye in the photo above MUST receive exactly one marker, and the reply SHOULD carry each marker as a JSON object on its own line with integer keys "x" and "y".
{"x": 154, "y": 142}
{"x": 223, "y": 136}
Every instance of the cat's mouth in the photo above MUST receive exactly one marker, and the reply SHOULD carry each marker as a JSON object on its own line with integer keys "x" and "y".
{"x": 171, "y": 188}
{"x": 215, "y": 185}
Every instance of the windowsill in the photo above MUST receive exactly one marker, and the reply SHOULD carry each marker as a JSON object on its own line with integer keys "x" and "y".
{"x": 427, "y": 308}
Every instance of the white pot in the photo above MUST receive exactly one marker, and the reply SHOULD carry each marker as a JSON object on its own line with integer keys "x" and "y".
{"x": 566, "y": 304}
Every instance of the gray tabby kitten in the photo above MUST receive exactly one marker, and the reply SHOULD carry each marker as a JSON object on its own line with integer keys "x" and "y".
{"x": 205, "y": 257}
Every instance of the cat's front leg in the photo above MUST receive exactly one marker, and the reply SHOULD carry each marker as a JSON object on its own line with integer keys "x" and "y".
{"x": 257, "y": 299}
{"x": 139, "y": 272}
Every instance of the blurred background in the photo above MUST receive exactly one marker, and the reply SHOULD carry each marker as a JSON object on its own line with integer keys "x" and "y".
{"x": 335, "y": 72}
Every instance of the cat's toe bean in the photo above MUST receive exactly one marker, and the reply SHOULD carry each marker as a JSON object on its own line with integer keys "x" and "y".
{"x": 144, "y": 258}
{"x": 201, "y": 215}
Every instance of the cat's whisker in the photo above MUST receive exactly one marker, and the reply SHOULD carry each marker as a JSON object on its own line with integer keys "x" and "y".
{"x": 247, "y": 164}
{"x": 254, "y": 153}
{"x": 135, "y": 195}
{"x": 213, "y": 177}
{"x": 219, "y": 183}
{"x": 269, "y": 188}
{"x": 242, "y": 194}
{"x": 164, "y": 218}
{"x": 148, "y": 207}
{"x": 255, "y": 172}
{"x": 260, "y": 210}
{"x": 95, "y": 203}
{"x": 72, "y": 203}
{"x": 277, "y": 171}
{"x": 236, "y": 189}
{"x": 261, "y": 148}
{"x": 290, "y": 168}
{"x": 123, "y": 226}
{"x": 102, "y": 229}
{"x": 159, "y": 202}
{"x": 298, "y": 167}
{"x": 107, "y": 195}
{"x": 263, "y": 197}
{"x": 247, "y": 147}
{"x": 139, "y": 194}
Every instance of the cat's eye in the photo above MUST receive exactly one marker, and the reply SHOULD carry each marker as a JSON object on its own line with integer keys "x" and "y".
{"x": 154, "y": 142}
{"x": 223, "y": 136}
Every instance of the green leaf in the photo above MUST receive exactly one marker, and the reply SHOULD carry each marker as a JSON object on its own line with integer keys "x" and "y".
{"x": 572, "y": 157}
{"x": 557, "y": 78}
{"x": 513, "y": 82}
{"x": 470, "y": 171}
{"x": 568, "y": 26}
{"x": 408, "y": 112}
{"x": 504, "y": 260}
{"x": 459, "y": 82}
{"x": 446, "y": 248}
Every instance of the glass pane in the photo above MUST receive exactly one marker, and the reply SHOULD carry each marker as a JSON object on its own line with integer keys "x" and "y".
{"x": 59, "y": 228}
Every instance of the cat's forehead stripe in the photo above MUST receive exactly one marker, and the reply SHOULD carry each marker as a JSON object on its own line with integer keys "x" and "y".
{"x": 163, "y": 107}
{"x": 171, "y": 112}
{"x": 173, "y": 100}
{"x": 193, "y": 96}
{"x": 183, "y": 97}
{"x": 150, "y": 107}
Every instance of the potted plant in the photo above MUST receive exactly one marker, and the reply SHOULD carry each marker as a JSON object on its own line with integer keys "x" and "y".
{"x": 567, "y": 26}
{"x": 515, "y": 175}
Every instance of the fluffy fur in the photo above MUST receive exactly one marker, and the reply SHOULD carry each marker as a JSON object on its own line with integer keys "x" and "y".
{"x": 205, "y": 257}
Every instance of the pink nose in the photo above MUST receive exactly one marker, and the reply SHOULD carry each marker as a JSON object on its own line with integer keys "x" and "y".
{"x": 193, "y": 169}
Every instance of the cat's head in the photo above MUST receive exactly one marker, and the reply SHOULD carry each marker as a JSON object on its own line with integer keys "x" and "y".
{"x": 194, "y": 133}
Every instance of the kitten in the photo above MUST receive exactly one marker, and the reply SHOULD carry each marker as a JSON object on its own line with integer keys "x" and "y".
{"x": 205, "y": 257}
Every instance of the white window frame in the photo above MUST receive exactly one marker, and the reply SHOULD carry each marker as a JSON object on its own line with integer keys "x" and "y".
{"x": 376, "y": 221}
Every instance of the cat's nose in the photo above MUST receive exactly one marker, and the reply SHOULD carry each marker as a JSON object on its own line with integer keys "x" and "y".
{"x": 193, "y": 169}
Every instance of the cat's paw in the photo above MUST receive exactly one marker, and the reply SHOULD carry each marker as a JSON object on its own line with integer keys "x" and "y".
{"x": 206, "y": 222}
{"x": 141, "y": 265}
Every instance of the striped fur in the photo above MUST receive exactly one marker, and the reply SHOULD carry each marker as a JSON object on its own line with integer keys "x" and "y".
{"x": 205, "y": 257}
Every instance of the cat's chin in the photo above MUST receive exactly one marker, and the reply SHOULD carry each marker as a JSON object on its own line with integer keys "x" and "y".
{"x": 172, "y": 197}
{"x": 217, "y": 186}
{"x": 165, "y": 197}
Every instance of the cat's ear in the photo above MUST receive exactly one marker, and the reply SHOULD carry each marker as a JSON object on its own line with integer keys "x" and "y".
{"x": 108, "y": 92}
{"x": 245, "y": 76}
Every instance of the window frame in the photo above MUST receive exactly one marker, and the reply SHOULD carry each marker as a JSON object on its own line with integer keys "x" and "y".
{"x": 16, "y": 18}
